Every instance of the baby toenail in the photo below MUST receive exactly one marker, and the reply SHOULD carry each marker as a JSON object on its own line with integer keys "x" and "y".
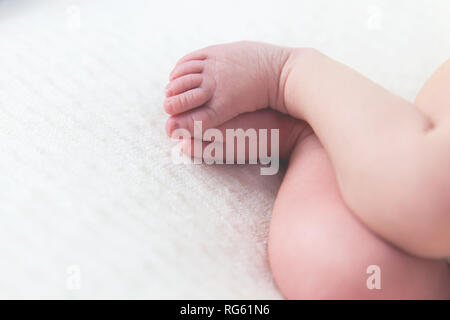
{"x": 168, "y": 92}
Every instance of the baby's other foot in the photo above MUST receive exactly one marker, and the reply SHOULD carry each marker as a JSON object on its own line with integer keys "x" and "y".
{"x": 217, "y": 83}
{"x": 291, "y": 131}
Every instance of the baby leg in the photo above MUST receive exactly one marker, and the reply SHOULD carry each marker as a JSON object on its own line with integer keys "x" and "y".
{"x": 390, "y": 157}
{"x": 319, "y": 250}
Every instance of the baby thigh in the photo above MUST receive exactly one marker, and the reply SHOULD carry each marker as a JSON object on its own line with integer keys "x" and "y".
{"x": 319, "y": 250}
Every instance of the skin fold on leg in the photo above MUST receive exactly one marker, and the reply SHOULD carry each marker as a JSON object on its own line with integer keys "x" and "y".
{"x": 434, "y": 98}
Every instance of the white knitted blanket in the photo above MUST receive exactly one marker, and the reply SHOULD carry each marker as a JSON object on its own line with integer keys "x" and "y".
{"x": 91, "y": 205}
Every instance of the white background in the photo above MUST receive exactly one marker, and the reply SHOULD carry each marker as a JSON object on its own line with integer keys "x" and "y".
{"x": 91, "y": 205}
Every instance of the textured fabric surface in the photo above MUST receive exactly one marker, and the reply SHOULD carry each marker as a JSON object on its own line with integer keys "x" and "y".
{"x": 91, "y": 205}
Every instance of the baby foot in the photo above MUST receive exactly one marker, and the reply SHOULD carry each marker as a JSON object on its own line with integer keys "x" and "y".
{"x": 217, "y": 83}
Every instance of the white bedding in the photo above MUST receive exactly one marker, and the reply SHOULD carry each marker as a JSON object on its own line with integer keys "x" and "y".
{"x": 91, "y": 205}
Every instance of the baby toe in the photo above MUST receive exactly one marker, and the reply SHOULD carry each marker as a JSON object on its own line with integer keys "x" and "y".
{"x": 186, "y": 101}
{"x": 196, "y": 55}
{"x": 193, "y": 66}
{"x": 183, "y": 84}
